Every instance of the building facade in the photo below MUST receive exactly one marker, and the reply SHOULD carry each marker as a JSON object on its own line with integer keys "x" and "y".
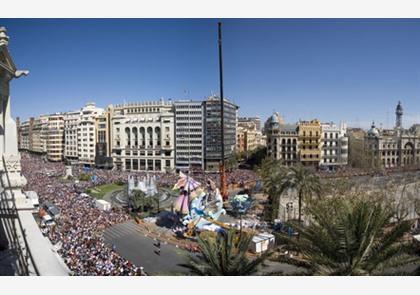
{"x": 212, "y": 136}
{"x": 143, "y": 136}
{"x": 71, "y": 124}
{"x": 80, "y": 134}
{"x": 282, "y": 140}
{"x": 248, "y": 136}
{"x": 335, "y": 145}
{"x": 255, "y": 120}
{"x": 33, "y": 134}
{"x": 396, "y": 147}
{"x": 309, "y": 142}
{"x": 86, "y": 134}
{"x": 103, "y": 156}
{"x": 189, "y": 135}
{"x": 24, "y": 136}
{"x": 55, "y": 137}
{"x": 40, "y": 135}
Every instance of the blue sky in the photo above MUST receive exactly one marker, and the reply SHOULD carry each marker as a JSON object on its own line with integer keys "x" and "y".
{"x": 352, "y": 70}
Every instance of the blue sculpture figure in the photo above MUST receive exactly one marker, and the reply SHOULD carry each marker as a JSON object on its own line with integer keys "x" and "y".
{"x": 198, "y": 218}
{"x": 241, "y": 203}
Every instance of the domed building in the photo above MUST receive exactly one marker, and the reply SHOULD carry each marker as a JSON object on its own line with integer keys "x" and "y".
{"x": 373, "y": 131}
{"x": 282, "y": 140}
{"x": 397, "y": 147}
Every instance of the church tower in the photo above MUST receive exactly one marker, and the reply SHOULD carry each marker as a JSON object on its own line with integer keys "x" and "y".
{"x": 398, "y": 114}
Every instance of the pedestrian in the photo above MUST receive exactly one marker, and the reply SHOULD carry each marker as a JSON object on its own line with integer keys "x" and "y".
{"x": 157, "y": 245}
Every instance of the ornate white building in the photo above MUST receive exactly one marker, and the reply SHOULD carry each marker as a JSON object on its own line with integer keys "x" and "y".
{"x": 143, "y": 136}
{"x": 282, "y": 140}
{"x": 396, "y": 147}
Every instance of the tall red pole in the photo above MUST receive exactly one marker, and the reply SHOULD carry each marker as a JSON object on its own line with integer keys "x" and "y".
{"x": 223, "y": 187}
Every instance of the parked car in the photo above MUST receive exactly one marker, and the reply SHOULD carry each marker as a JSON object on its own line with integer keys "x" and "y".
{"x": 47, "y": 221}
{"x": 52, "y": 210}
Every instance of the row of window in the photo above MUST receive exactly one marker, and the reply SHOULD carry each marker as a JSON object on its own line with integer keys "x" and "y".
{"x": 143, "y": 110}
{"x": 134, "y": 164}
{"x": 310, "y": 133}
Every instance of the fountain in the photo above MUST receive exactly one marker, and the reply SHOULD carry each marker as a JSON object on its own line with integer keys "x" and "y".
{"x": 147, "y": 185}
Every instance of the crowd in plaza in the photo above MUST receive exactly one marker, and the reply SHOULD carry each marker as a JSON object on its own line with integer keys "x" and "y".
{"x": 79, "y": 228}
{"x": 235, "y": 177}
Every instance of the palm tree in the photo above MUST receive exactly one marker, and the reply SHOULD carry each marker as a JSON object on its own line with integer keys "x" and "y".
{"x": 272, "y": 175}
{"x": 350, "y": 237}
{"x": 304, "y": 181}
{"x": 224, "y": 255}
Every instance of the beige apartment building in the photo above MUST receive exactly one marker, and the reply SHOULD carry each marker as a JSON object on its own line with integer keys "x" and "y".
{"x": 248, "y": 137}
{"x": 39, "y": 135}
{"x": 33, "y": 135}
{"x": 55, "y": 137}
{"x": 309, "y": 142}
{"x": 24, "y": 136}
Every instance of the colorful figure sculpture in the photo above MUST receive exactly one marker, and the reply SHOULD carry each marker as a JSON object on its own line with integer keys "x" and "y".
{"x": 181, "y": 203}
{"x": 201, "y": 209}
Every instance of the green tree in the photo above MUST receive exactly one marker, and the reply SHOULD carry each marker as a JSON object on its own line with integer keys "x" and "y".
{"x": 232, "y": 162}
{"x": 257, "y": 156}
{"x": 304, "y": 181}
{"x": 272, "y": 175}
{"x": 224, "y": 255}
{"x": 142, "y": 203}
{"x": 350, "y": 236}
{"x": 84, "y": 177}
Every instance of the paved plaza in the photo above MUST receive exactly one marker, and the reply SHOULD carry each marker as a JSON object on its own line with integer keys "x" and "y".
{"x": 134, "y": 246}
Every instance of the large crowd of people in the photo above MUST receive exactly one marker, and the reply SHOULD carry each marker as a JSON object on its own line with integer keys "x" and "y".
{"x": 103, "y": 176}
{"x": 79, "y": 228}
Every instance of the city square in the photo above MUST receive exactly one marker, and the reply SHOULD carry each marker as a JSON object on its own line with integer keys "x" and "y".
{"x": 198, "y": 184}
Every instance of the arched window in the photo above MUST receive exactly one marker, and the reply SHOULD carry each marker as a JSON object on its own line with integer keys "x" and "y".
{"x": 149, "y": 136}
{"x": 127, "y": 136}
{"x": 142, "y": 136}
{"x": 135, "y": 136}
{"x": 158, "y": 136}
